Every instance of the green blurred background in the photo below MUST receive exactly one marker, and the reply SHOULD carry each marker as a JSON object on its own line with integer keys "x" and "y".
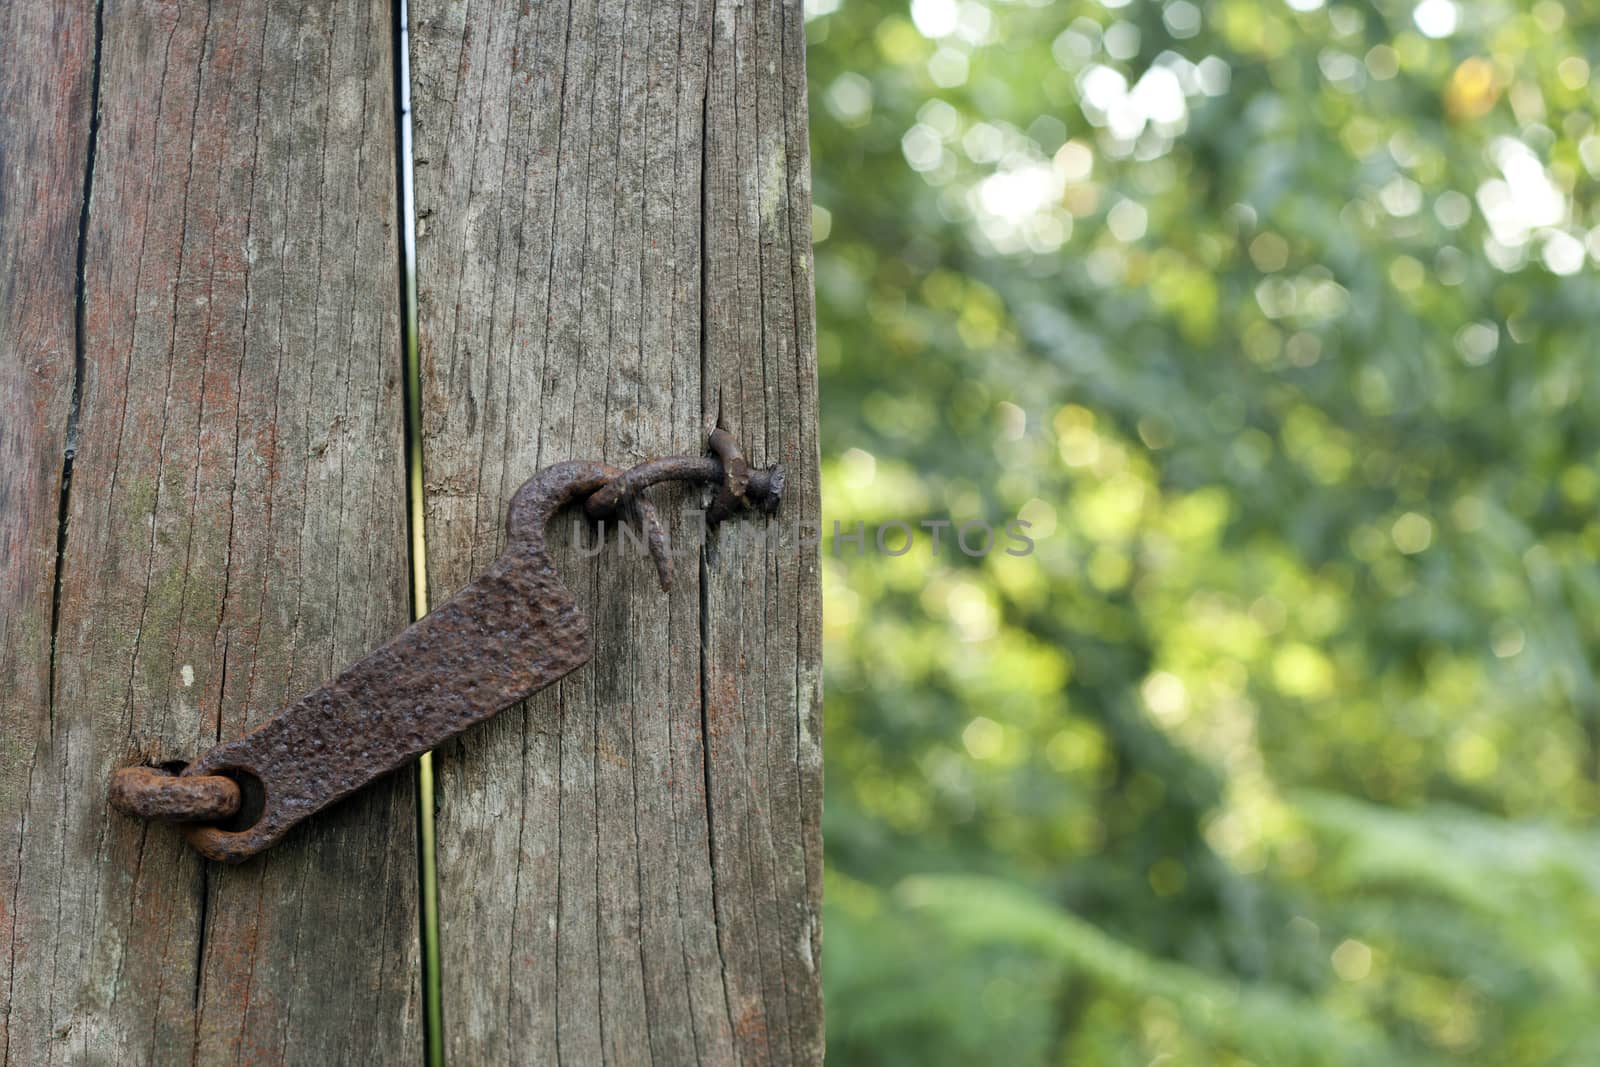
{"x": 1279, "y": 324}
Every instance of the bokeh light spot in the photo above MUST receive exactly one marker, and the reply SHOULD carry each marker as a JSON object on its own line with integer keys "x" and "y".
{"x": 1352, "y": 960}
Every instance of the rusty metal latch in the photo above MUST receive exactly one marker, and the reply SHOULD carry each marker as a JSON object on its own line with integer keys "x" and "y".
{"x": 514, "y": 630}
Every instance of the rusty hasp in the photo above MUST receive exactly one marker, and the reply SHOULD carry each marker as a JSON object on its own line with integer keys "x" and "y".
{"x": 511, "y": 632}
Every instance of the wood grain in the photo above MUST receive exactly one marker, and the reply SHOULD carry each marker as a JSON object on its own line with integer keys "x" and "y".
{"x": 614, "y": 258}
{"x": 234, "y": 532}
{"x": 45, "y": 104}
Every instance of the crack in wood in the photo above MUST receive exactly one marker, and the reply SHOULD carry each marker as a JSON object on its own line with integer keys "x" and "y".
{"x": 80, "y": 303}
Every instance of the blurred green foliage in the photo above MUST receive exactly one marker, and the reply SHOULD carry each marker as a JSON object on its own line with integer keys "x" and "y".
{"x": 1280, "y": 324}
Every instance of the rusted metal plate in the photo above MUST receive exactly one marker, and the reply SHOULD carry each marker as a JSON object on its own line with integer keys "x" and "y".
{"x": 510, "y": 633}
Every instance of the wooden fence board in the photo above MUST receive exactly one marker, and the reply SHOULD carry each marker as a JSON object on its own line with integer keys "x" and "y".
{"x": 235, "y": 528}
{"x": 613, "y": 258}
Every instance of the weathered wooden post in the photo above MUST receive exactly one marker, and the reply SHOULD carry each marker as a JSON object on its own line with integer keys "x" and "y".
{"x": 613, "y": 257}
{"x": 203, "y": 515}
{"x": 197, "y": 249}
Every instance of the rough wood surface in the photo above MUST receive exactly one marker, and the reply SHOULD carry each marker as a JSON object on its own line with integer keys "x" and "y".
{"x": 613, "y": 258}
{"x": 234, "y": 531}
